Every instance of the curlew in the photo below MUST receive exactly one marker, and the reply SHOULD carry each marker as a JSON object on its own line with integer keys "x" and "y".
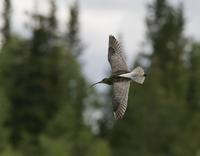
{"x": 120, "y": 78}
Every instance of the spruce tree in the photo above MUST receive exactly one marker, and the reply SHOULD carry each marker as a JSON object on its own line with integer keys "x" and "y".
{"x": 193, "y": 93}
{"x": 4, "y": 102}
{"x": 7, "y": 20}
{"x": 73, "y": 37}
{"x": 32, "y": 81}
{"x": 52, "y": 15}
{"x": 43, "y": 84}
{"x": 190, "y": 138}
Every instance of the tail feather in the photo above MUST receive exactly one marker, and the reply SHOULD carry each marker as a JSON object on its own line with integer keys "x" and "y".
{"x": 138, "y": 71}
{"x": 138, "y": 75}
{"x": 139, "y": 79}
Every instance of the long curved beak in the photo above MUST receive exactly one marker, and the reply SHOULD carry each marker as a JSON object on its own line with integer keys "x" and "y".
{"x": 95, "y": 84}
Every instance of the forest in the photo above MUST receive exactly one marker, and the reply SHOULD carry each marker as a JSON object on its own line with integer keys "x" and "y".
{"x": 44, "y": 95}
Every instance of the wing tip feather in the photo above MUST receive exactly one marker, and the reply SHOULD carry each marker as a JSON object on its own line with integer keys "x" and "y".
{"x": 118, "y": 115}
{"x": 114, "y": 43}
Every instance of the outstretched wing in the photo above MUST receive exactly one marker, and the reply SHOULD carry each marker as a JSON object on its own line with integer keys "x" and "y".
{"x": 120, "y": 98}
{"x": 116, "y": 57}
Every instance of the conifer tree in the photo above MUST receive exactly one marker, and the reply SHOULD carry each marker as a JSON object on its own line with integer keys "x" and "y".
{"x": 73, "y": 37}
{"x": 52, "y": 15}
{"x": 43, "y": 84}
{"x": 190, "y": 138}
{"x": 31, "y": 77}
{"x": 7, "y": 20}
{"x": 193, "y": 96}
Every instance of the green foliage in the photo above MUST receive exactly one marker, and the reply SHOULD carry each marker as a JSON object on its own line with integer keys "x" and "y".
{"x": 189, "y": 140}
{"x": 43, "y": 92}
{"x": 12, "y": 65}
{"x": 72, "y": 36}
{"x": 165, "y": 33}
{"x": 99, "y": 148}
{"x": 52, "y": 15}
{"x": 4, "y": 105}
{"x": 7, "y": 18}
{"x": 8, "y": 151}
{"x": 194, "y": 78}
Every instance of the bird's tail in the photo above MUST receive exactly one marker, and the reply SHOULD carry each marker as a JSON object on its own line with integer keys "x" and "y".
{"x": 138, "y": 75}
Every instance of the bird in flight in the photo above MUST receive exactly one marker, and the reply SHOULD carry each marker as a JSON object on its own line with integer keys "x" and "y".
{"x": 120, "y": 78}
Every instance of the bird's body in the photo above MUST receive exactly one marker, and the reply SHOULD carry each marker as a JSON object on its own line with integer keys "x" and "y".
{"x": 115, "y": 78}
{"x": 120, "y": 78}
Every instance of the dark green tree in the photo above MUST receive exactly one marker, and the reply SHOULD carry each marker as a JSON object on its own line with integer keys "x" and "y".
{"x": 52, "y": 16}
{"x": 4, "y": 114}
{"x": 4, "y": 103}
{"x": 193, "y": 97}
{"x": 33, "y": 88}
{"x": 7, "y": 20}
{"x": 190, "y": 138}
{"x": 13, "y": 66}
{"x": 43, "y": 93}
{"x": 73, "y": 37}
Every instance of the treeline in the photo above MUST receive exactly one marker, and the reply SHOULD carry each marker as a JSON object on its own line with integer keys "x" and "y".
{"x": 44, "y": 95}
{"x": 43, "y": 90}
{"x": 163, "y": 114}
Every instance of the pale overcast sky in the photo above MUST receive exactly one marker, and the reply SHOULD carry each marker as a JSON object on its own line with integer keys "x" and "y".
{"x": 98, "y": 19}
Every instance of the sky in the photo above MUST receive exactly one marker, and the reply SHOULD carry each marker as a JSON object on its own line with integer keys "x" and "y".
{"x": 124, "y": 19}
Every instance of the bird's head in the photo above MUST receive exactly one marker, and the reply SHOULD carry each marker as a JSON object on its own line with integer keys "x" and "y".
{"x": 105, "y": 80}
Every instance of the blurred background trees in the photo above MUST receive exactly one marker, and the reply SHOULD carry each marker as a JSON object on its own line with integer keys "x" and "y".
{"x": 44, "y": 95}
{"x": 158, "y": 113}
{"x": 43, "y": 90}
